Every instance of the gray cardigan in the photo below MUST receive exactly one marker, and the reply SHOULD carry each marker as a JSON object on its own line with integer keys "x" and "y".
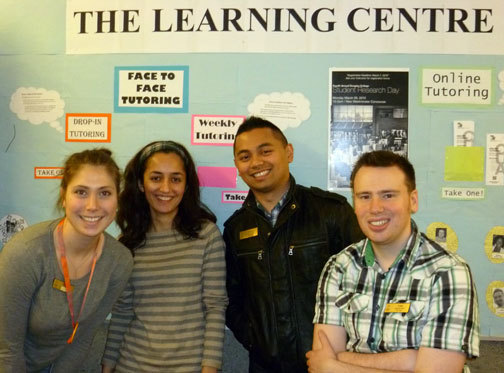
{"x": 35, "y": 322}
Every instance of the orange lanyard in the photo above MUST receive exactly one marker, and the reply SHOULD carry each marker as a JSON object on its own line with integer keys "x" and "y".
{"x": 68, "y": 286}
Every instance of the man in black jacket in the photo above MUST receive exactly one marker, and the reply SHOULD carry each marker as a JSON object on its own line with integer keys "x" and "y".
{"x": 276, "y": 246}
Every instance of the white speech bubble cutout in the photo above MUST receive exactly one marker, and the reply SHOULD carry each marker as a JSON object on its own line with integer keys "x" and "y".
{"x": 501, "y": 86}
{"x": 37, "y": 106}
{"x": 284, "y": 109}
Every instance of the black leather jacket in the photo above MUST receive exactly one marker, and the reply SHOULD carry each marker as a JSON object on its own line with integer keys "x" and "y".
{"x": 272, "y": 272}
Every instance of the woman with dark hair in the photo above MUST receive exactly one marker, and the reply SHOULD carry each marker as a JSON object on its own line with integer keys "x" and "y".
{"x": 59, "y": 279}
{"x": 171, "y": 316}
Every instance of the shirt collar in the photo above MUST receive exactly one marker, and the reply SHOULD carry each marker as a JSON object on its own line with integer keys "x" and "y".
{"x": 275, "y": 211}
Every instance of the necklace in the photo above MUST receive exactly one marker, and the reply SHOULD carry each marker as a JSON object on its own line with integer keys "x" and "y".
{"x": 68, "y": 286}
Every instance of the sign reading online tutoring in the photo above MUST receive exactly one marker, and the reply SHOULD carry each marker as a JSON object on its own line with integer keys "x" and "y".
{"x": 151, "y": 89}
{"x": 457, "y": 86}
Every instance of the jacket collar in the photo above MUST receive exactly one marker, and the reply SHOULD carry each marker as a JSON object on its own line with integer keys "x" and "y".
{"x": 290, "y": 202}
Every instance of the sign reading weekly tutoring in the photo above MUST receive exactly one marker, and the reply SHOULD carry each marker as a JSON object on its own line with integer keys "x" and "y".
{"x": 215, "y": 129}
{"x": 288, "y": 26}
{"x": 151, "y": 89}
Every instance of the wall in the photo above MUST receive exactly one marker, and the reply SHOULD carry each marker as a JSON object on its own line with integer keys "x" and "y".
{"x": 32, "y": 54}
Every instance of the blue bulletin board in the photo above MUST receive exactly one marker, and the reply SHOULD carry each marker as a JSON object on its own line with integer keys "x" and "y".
{"x": 60, "y": 69}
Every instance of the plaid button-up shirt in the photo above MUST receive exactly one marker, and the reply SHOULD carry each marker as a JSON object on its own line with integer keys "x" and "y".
{"x": 273, "y": 215}
{"x": 443, "y": 313}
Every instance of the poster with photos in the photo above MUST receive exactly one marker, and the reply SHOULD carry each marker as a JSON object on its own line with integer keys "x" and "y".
{"x": 368, "y": 110}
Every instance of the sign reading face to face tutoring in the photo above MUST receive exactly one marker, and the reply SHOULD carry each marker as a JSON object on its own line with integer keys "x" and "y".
{"x": 151, "y": 89}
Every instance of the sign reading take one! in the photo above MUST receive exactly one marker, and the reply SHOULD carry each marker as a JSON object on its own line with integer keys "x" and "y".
{"x": 48, "y": 172}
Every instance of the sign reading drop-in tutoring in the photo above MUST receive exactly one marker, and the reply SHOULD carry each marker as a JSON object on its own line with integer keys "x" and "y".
{"x": 151, "y": 89}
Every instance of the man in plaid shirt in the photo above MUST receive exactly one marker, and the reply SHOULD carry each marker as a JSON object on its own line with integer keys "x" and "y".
{"x": 395, "y": 301}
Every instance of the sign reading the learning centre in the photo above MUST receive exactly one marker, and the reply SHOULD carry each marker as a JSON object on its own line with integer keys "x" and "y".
{"x": 294, "y": 26}
{"x": 151, "y": 89}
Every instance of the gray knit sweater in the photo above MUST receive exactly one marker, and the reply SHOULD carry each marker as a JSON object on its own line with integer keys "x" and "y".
{"x": 171, "y": 317}
{"x": 35, "y": 322}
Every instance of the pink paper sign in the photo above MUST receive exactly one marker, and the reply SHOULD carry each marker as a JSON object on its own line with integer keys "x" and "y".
{"x": 217, "y": 177}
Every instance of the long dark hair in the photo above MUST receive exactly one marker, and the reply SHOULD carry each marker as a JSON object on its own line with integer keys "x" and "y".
{"x": 133, "y": 216}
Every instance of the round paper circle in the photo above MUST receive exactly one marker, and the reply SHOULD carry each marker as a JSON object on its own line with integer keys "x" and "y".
{"x": 494, "y": 244}
{"x": 9, "y": 225}
{"x": 443, "y": 235}
{"x": 495, "y": 297}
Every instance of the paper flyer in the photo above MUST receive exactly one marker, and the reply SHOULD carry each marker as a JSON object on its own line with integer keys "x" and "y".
{"x": 368, "y": 110}
{"x": 463, "y": 133}
{"x": 495, "y": 159}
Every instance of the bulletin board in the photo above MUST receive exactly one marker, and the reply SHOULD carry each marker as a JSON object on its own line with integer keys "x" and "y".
{"x": 422, "y": 78}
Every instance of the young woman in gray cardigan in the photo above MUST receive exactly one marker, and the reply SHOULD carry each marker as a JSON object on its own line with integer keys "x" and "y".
{"x": 44, "y": 326}
{"x": 171, "y": 317}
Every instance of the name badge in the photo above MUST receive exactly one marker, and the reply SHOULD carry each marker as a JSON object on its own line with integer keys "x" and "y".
{"x": 397, "y": 308}
{"x": 60, "y": 285}
{"x": 249, "y": 233}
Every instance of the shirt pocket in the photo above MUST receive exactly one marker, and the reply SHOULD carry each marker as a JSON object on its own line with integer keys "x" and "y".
{"x": 415, "y": 311}
{"x": 308, "y": 258}
{"x": 252, "y": 262}
{"x": 355, "y": 313}
{"x": 404, "y": 330}
{"x": 352, "y": 303}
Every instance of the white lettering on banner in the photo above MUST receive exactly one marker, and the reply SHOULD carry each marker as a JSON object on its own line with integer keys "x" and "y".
{"x": 214, "y": 129}
{"x": 296, "y": 26}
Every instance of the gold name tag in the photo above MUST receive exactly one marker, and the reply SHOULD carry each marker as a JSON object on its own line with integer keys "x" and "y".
{"x": 60, "y": 285}
{"x": 397, "y": 308}
{"x": 248, "y": 233}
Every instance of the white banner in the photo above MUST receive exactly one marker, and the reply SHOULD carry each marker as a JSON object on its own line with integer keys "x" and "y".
{"x": 285, "y": 26}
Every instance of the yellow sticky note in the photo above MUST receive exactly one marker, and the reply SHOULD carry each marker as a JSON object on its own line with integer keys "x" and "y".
{"x": 464, "y": 163}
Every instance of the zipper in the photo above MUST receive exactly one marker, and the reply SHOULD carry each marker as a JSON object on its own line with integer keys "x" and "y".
{"x": 259, "y": 253}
